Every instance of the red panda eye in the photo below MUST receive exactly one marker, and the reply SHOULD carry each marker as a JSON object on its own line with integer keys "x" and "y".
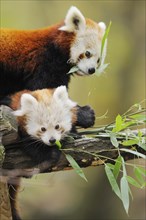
{"x": 43, "y": 129}
{"x": 87, "y": 54}
{"x": 57, "y": 127}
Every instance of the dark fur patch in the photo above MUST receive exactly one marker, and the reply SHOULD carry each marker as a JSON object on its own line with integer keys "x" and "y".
{"x": 81, "y": 56}
{"x": 5, "y": 100}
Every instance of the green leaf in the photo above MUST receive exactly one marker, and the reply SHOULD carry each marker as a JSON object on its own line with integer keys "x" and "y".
{"x": 113, "y": 139}
{"x": 117, "y": 167}
{"x": 75, "y": 166}
{"x": 112, "y": 181}
{"x": 141, "y": 170}
{"x": 134, "y": 152}
{"x": 111, "y": 166}
{"x": 128, "y": 124}
{"x": 125, "y": 193}
{"x": 142, "y": 145}
{"x": 118, "y": 124}
{"x": 130, "y": 142}
{"x": 101, "y": 69}
{"x": 133, "y": 182}
{"x": 105, "y": 37}
{"x": 139, "y": 175}
{"x": 139, "y": 117}
{"x": 58, "y": 144}
{"x": 124, "y": 167}
{"x": 73, "y": 70}
{"x": 142, "y": 141}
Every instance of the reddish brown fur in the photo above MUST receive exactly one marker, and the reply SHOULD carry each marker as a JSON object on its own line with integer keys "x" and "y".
{"x": 20, "y": 43}
{"x": 74, "y": 115}
{"x": 15, "y": 99}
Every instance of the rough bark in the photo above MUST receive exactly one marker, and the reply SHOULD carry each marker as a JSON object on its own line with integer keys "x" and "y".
{"x": 84, "y": 150}
{"x": 15, "y": 163}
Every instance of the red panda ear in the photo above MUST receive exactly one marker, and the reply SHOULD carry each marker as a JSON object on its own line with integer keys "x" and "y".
{"x": 74, "y": 21}
{"x": 61, "y": 95}
{"x": 28, "y": 103}
{"x": 102, "y": 28}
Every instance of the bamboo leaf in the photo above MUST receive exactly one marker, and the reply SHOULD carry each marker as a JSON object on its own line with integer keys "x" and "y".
{"x": 111, "y": 166}
{"x": 75, "y": 166}
{"x": 139, "y": 175}
{"x": 117, "y": 167}
{"x": 130, "y": 142}
{"x": 125, "y": 193}
{"x": 141, "y": 170}
{"x": 112, "y": 181}
{"x": 113, "y": 139}
{"x": 101, "y": 69}
{"x": 58, "y": 144}
{"x": 139, "y": 117}
{"x": 118, "y": 124}
{"x": 133, "y": 182}
{"x": 142, "y": 145}
{"x": 105, "y": 37}
{"x": 124, "y": 167}
{"x": 73, "y": 70}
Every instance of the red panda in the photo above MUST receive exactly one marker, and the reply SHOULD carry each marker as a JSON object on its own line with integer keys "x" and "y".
{"x": 38, "y": 59}
{"x": 44, "y": 117}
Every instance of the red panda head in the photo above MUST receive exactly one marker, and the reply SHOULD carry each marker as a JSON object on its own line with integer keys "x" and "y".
{"x": 47, "y": 115}
{"x": 85, "y": 50}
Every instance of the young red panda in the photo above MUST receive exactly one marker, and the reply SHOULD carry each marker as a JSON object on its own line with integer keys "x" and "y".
{"x": 44, "y": 117}
{"x": 38, "y": 59}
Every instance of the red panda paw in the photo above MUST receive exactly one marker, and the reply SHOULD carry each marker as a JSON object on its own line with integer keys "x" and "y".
{"x": 85, "y": 116}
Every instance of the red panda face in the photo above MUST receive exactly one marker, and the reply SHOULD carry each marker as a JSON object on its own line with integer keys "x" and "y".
{"x": 48, "y": 117}
{"x": 85, "y": 50}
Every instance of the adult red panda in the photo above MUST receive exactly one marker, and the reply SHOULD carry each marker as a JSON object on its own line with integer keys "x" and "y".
{"x": 38, "y": 59}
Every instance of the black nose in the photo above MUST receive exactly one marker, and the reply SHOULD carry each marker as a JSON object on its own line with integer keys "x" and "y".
{"x": 52, "y": 140}
{"x": 91, "y": 70}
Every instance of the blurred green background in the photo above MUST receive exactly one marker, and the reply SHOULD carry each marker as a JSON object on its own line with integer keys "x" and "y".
{"x": 64, "y": 195}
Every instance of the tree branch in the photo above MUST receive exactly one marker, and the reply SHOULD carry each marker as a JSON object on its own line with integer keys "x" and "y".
{"x": 86, "y": 151}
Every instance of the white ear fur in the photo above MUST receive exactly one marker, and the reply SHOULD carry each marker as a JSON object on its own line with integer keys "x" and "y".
{"x": 27, "y": 103}
{"x": 61, "y": 94}
{"x": 102, "y": 27}
{"x": 74, "y": 21}
{"x": 19, "y": 113}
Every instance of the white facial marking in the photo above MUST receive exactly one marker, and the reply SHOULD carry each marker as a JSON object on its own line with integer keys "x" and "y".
{"x": 90, "y": 41}
{"x": 88, "y": 38}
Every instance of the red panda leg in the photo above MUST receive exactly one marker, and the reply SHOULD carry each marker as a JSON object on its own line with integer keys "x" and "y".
{"x": 13, "y": 187}
{"x": 85, "y": 116}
